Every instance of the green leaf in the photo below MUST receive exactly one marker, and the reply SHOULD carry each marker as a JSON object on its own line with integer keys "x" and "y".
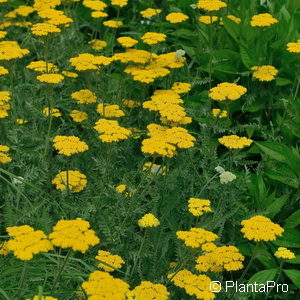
{"x": 262, "y": 277}
{"x": 294, "y": 275}
{"x": 289, "y": 238}
{"x": 293, "y": 220}
{"x": 246, "y": 57}
{"x": 232, "y": 28}
{"x": 275, "y": 207}
{"x": 283, "y": 81}
{"x": 283, "y": 174}
{"x": 295, "y": 260}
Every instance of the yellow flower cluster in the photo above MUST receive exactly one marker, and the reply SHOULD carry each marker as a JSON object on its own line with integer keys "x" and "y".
{"x": 264, "y": 73}
{"x": 221, "y": 258}
{"x": 196, "y": 237}
{"x": 164, "y": 141}
{"x": 148, "y": 220}
{"x": 54, "y": 17}
{"x": 167, "y": 103}
{"x": 4, "y": 107}
{"x": 134, "y": 56}
{"x": 75, "y": 234}
{"x": 55, "y": 112}
{"x": 284, "y": 253}
{"x": 176, "y": 17}
{"x": 11, "y": 50}
{"x": 260, "y": 228}
{"x": 42, "y": 67}
{"x": 122, "y": 189}
{"x": 148, "y": 291}
{"x": 102, "y": 285}
{"x": 113, "y": 23}
{"x": 89, "y": 62}
{"x": 69, "y": 145}
{"x": 294, "y": 47}
{"x": 111, "y": 131}
{"x": 97, "y": 45}
{"x": 43, "y": 29}
{"x": 50, "y": 78}
{"x": 181, "y": 87}
{"x": 110, "y": 111}
{"x": 211, "y": 5}
{"x": 108, "y": 261}
{"x": 94, "y": 4}
{"x": 227, "y": 91}
{"x": 198, "y": 207}
{"x": 232, "y": 18}
{"x": 43, "y": 4}
{"x": 4, "y": 158}
{"x": 69, "y": 74}
{"x": 3, "y": 34}
{"x": 150, "y": 12}
{"x": 194, "y": 285}
{"x": 153, "y": 38}
{"x": 78, "y": 116}
{"x": 72, "y": 180}
{"x": 218, "y": 113}
{"x": 26, "y": 242}
{"x": 235, "y": 142}
{"x": 208, "y": 19}
{"x": 98, "y": 14}
{"x": 127, "y": 41}
{"x": 263, "y": 20}
{"x": 84, "y": 96}
{"x": 3, "y": 71}
{"x": 120, "y": 3}
{"x": 21, "y": 10}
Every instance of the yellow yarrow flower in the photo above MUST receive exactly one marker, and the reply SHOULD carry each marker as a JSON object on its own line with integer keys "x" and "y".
{"x": 69, "y": 145}
{"x": 127, "y": 42}
{"x": 181, "y": 87}
{"x": 294, "y": 47}
{"x": 225, "y": 258}
{"x": 26, "y": 242}
{"x": 235, "y": 142}
{"x": 69, "y": 74}
{"x": 78, "y": 116}
{"x": 43, "y": 29}
{"x": 72, "y": 180}
{"x": 42, "y": 67}
{"x": 227, "y": 91}
{"x": 3, "y": 71}
{"x": 122, "y": 189}
{"x": 218, "y": 113}
{"x": 208, "y": 19}
{"x": 21, "y": 121}
{"x": 97, "y": 44}
{"x": 110, "y": 111}
{"x": 232, "y": 18}
{"x": 261, "y": 228}
{"x": 198, "y": 207}
{"x": 211, "y": 5}
{"x": 263, "y": 20}
{"x": 148, "y": 220}
{"x": 3, "y": 34}
{"x": 94, "y": 4}
{"x": 11, "y": 50}
{"x": 75, "y": 234}
{"x": 284, "y": 253}
{"x": 115, "y": 261}
{"x": 50, "y": 78}
{"x": 99, "y": 14}
{"x": 4, "y": 158}
{"x": 148, "y": 291}
{"x": 102, "y": 285}
{"x": 120, "y": 3}
{"x": 196, "y": 237}
{"x": 176, "y": 17}
{"x": 84, "y": 96}
{"x": 89, "y": 62}
{"x": 153, "y": 38}
{"x": 150, "y": 12}
{"x": 113, "y": 24}
{"x": 55, "y": 112}
{"x": 264, "y": 73}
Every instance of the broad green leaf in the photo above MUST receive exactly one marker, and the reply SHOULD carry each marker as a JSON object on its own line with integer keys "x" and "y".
{"x": 294, "y": 275}
{"x": 246, "y": 57}
{"x": 283, "y": 174}
{"x": 275, "y": 207}
{"x": 283, "y": 81}
{"x": 295, "y": 260}
{"x": 293, "y": 220}
{"x": 262, "y": 277}
{"x": 232, "y": 28}
{"x": 289, "y": 238}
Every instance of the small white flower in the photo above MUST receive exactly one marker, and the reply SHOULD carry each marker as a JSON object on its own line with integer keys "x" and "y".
{"x": 17, "y": 180}
{"x": 193, "y": 6}
{"x": 219, "y": 169}
{"x": 226, "y": 177}
{"x": 180, "y": 53}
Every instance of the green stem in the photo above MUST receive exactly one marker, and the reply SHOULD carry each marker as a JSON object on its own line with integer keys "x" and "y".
{"x": 137, "y": 258}
{"x": 22, "y": 279}
{"x": 253, "y": 256}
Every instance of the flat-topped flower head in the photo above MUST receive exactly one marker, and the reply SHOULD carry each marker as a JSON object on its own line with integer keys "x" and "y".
{"x": 211, "y": 5}
{"x": 148, "y": 291}
{"x": 74, "y": 181}
{"x": 113, "y": 23}
{"x": 75, "y": 234}
{"x": 150, "y": 12}
{"x": 181, "y": 87}
{"x": 11, "y": 50}
{"x": 97, "y": 45}
{"x": 110, "y": 131}
{"x": 26, "y": 242}
{"x": 42, "y": 67}
{"x": 44, "y": 29}
{"x": 196, "y": 237}
{"x": 284, "y": 253}
{"x": 194, "y": 285}
{"x": 3, "y": 71}
{"x": 110, "y": 111}
{"x": 208, "y": 19}
{"x": 120, "y": 3}
{"x": 263, "y": 20}
{"x": 176, "y": 17}
{"x": 198, "y": 207}
{"x": 50, "y": 78}
{"x": 264, "y": 73}
{"x": 261, "y": 228}
{"x": 225, "y": 258}
{"x": 84, "y": 96}
{"x": 89, "y": 62}
{"x": 153, "y": 38}
{"x": 102, "y": 285}
{"x": 4, "y": 157}
{"x": 127, "y": 41}
{"x": 219, "y": 113}
{"x": 109, "y": 262}
{"x": 69, "y": 74}
{"x": 94, "y": 4}
{"x": 227, "y": 91}
{"x": 235, "y": 142}
{"x": 148, "y": 220}
{"x": 78, "y": 116}
{"x": 294, "y": 47}
{"x": 69, "y": 145}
